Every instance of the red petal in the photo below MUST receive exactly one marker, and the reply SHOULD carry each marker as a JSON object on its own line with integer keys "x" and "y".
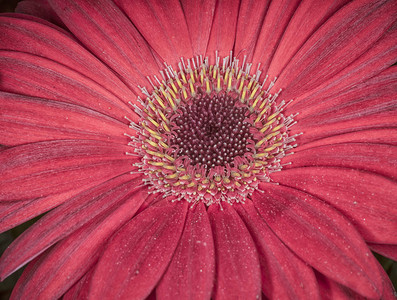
{"x": 110, "y": 36}
{"x": 39, "y": 8}
{"x": 223, "y": 28}
{"x": 13, "y": 213}
{"x": 237, "y": 265}
{"x": 368, "y": 200}
{"x": 387, "y": 136}
{"x": 371, "y": 97}
{"x": 199, "y": 16}
{"x": 321, "y": 236}
{"x": 249, "y": 23}
{"x": 80, "y": 290}
{"x": 284, "y": 275}
{"x": 137, "y": 256}
{"x": 28, "y": 120}
{"x": 307, "y": 18}
{"x": 59, "y": 166}
{"x": 30, "y": 36}
{"x": 380, "y": 159}
{"x": 72, "y": 257}
{"x": 64, "y": 220}
{"x": 190, "y": 274}
{"x": 162, "y": 24}
{"x": 276, "y": 20}
{"x": 389, "y": 251}
{"x": 332, "y": 290}
{"x": 35, "y": 76}
{"x": 342, "y": 39}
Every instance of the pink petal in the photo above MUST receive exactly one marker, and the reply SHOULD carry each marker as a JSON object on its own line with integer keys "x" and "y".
{"x": 387, "y": 136}
{"x": 375, "y": 95}
{"x": 190, "y": 274}
{"x": 374, "y": 61}
{"x": 284, "y": 275}
{"x": 39, "y": 8}
{"x": 223, "y": 30}
{"x": 31, "y": 75}
{"x": 13, "y": 213}
{"x": 72, "y": 257}
{"x": 237, "y": 265}
{"x": 30, "y": 36}
{"x": 332, "y": 290}
{"x": 320, "y": 236}
{"x": 389, "y": 251}
{"x": 28, "y": 120}
{"x": 110, "y": 36}
{"x": 276, "y": 20}
{"x": 368, "y": 200}
{"x": 342, "y": 39}
{"x": 80, "y": 290}
{"x": 59, "y": 166}
{"x": 65, "y": 219}
{"x": 199, "y": 16}
{"x": 307, "y": 18}
{"x": 137, "y": 256}
{"x": 166, "y": 32}
{"x": 249, "y": 23}
{"x": 380, "y": 159}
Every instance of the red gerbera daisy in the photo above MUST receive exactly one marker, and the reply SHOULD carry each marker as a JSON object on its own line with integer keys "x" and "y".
{"x": 199, "y": 149}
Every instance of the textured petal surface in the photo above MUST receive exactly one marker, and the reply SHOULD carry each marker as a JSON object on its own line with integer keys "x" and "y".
{"x": 341, "y": 40}
{"x": 276, "y": 20}
{"x": 284, "y": 275}
{"x": 236, "y": 256}
{"x": 38, "y": 8}
{"x": 223, "y": 30}
{"x": 64, "y": 220}
{"x": 28, "y": 120}
{"x": 31, "y": 36}
{"x": 368, "y": 200}
{"x": 139, "y": 253}
{"x": 190, "y": 274}
{"x": 320, "y": 236}
{"x": 110, "y": 36}
{"x": 249, "y": 23}
{"x": 55, "y": 166}
{"x": 199, "y": 16}
{"x": 72, "y": 257}
{"x": 35, "y": 76}
{"x": 167, "y": 32}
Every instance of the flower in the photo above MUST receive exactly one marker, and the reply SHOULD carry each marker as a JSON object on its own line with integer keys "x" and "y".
{"x": 167, "y": 165}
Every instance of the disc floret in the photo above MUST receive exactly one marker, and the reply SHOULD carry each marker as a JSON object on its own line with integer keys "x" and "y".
{"x": 210, "y": 132}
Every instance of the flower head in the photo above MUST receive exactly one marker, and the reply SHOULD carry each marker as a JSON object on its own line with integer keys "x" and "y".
{"x": 198, "y": 150}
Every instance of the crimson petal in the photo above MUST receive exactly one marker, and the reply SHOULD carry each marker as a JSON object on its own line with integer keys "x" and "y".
{"x": 377, "y": 158}
{"x": 167, "y": 32}
{"x": 342, "y": 39}
{"x": 284, "y": 275}
{"x": 307, "y": 18}
{"x": 223, "y": 28}
{"x": 55, "y": 166}
{"x": 66, "y": 262}
{"x": 236, "y": 256}
{"x": 64, "y": 220}
{"x": 27, "y": 120}
{"x": 321, "y": 236}
{"x": 199, "y": 16}
{"x": 190, "y": 274}
{"x": 106, "y": 27}
{"x": 138, "y": 254}
{"x": 367, "y": 199}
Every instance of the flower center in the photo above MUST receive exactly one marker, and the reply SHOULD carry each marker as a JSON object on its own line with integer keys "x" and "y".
{"x": 210, "y": 133}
